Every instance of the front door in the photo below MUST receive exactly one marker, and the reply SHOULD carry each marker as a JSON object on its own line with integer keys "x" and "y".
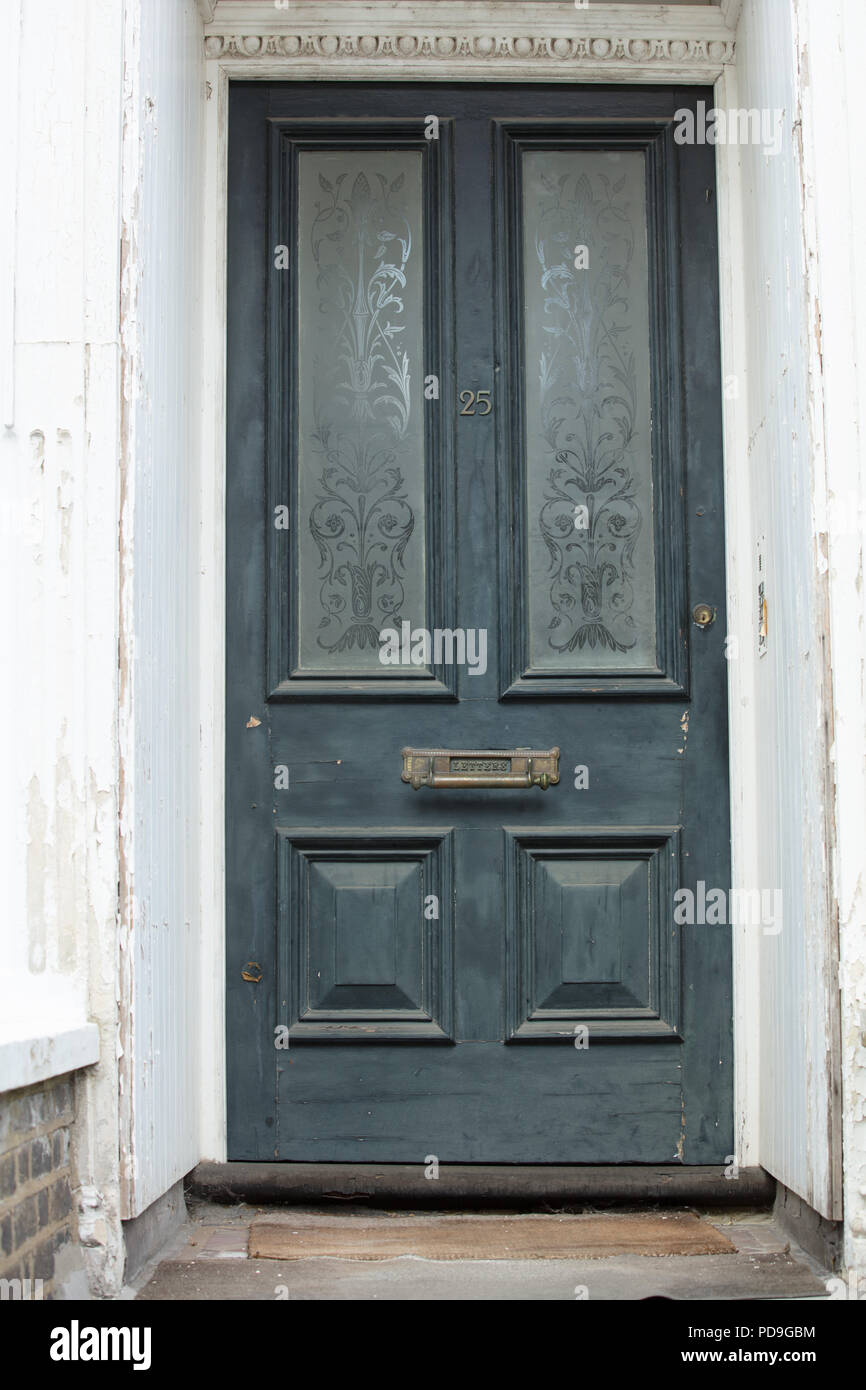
{"x": 476, "y": 684}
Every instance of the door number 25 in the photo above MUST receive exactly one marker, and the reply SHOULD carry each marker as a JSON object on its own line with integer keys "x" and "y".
{"x": 469, "y": 400}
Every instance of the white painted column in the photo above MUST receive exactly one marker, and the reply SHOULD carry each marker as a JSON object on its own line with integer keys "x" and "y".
{"x": 161, "y": 306}
{"x": 58, "y": 577}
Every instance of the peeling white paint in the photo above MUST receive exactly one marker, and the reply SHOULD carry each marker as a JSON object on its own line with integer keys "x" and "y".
{"x": 163, "y": 111}
{"x": 779, "y": 737}
{"x": 830, "y": 45}
{"x": 58, "y": 577}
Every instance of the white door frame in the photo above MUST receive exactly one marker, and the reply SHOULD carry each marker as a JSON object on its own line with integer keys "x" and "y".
{"x": 472, "y": 42}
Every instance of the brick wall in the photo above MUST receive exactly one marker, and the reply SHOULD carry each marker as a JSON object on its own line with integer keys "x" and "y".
{"x": 37, "y": 1212}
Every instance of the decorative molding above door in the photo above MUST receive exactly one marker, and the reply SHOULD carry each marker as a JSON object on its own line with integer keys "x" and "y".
{"x": 493, "y": 40}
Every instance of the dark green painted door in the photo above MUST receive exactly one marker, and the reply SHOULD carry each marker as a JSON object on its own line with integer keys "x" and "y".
{"x": 474, "y": 496}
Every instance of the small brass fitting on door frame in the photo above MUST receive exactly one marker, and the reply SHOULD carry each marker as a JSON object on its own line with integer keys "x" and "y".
{"x": 703, "y": 615}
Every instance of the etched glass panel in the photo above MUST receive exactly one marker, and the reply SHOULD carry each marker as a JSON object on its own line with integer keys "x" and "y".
{"x": 360, "y": 466}
{"x": 591, "y": 602}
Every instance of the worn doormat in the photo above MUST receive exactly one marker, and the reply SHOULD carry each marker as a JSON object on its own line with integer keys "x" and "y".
{"x": 307, "y": 1236}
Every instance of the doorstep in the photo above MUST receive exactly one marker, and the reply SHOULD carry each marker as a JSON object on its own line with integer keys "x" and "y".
{"x": 214, "y": 1263}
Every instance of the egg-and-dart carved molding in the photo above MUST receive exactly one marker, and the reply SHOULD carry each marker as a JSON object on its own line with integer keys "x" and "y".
{"x": 495, "y": 48}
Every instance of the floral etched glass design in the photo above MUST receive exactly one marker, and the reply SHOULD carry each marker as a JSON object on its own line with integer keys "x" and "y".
{"x": 591, "y": 600}
{"x": 361, "y": 467}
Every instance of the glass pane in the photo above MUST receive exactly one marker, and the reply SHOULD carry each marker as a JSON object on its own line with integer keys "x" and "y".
{"x": 360, "y": 445}
{"x": 591, "y": 601}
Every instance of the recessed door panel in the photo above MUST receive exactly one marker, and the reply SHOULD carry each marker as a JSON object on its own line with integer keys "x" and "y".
{"x": 593, "y": 592}
{"x": 588, "y": 419}
{"x": 359, "y": 470}
{"x": 360, "y": 510}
